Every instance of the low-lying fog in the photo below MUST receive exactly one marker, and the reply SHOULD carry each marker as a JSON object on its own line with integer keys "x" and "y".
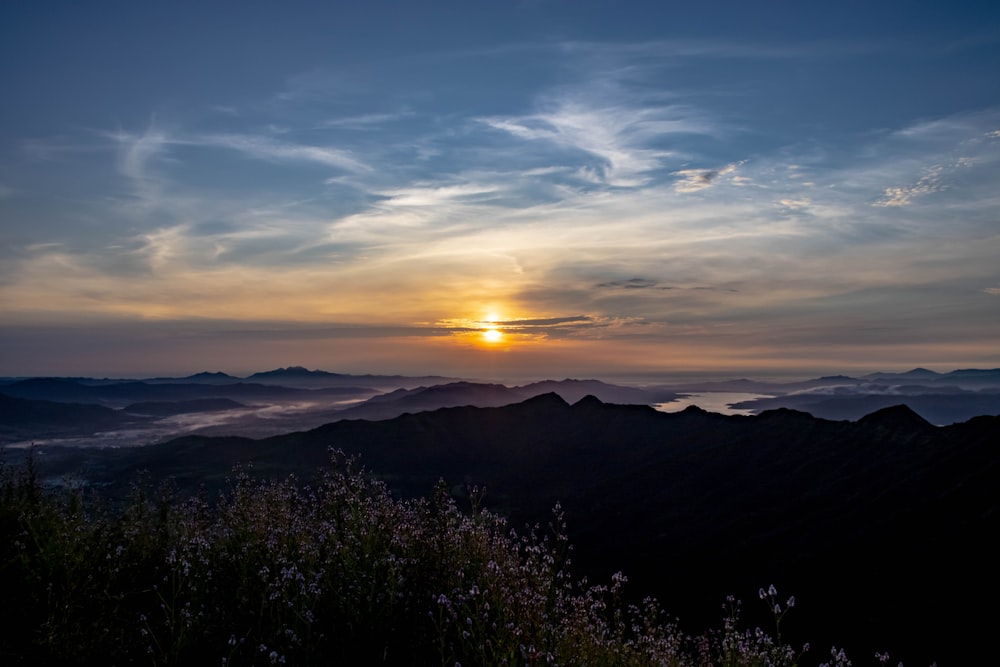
{"x": 264, "y": 420}
{"x": 258, "y": 421}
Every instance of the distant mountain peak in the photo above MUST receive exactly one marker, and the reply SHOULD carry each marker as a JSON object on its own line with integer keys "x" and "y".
{"x": 292, "y": 371}
{"x": 588, "y": 401}
{"x": 897, "y": 418}
{"x": 786, "y": 413}
{"x": 974, "y": 372}
{"x": 920, "y": 372}
{"x": 210, "y": 375}
{"x": 547, "y": 399}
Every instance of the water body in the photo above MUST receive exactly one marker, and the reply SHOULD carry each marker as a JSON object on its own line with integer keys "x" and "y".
{"x": 712, "y": 401}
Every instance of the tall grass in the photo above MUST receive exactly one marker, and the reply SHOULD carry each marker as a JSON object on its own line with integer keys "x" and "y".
{"x": 337, "y": 572}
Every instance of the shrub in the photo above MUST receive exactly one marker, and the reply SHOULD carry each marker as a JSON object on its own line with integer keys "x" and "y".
{"x": 278, "y": 572}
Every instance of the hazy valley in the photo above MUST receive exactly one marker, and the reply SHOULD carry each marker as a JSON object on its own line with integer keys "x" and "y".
{"x": 117, "y": 413}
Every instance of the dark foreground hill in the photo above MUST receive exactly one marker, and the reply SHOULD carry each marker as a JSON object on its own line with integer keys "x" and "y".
{"x": 883, "y": 528}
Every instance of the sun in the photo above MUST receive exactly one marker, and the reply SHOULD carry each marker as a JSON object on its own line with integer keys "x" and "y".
{"x": 492, "y": 336}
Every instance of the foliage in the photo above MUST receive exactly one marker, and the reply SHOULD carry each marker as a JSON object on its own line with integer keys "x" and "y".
{"x": 334, "y": 572}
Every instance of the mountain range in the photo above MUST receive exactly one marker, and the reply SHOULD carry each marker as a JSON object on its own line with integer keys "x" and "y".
{"x": 882, "y": 527}
{"x": 873, "y": 499}
{"x": 118, "y": 394}
{"x": 255, "y": 408}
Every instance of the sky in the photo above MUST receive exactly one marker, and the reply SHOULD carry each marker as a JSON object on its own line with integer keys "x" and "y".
{"x": 521, "y": 189}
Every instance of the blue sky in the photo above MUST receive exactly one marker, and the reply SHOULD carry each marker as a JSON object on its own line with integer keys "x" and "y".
{"x": 614, "y": 187}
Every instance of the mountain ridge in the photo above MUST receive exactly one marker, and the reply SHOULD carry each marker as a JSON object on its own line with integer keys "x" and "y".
{"x": 691, "y": 505}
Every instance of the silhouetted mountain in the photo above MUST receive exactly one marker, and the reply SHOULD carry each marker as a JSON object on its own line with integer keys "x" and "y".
{"x": 124, "y": 393}
{"x": 292, "y": 372}
{"x": 965, "y": 377}
{"x": 946, "y": 408}
{"x": 574, "y": 390}
{"x": 297, "y": 376}
{"x": 400, "y": 401}
{"x": 168, "y": 408}
{"x": 883, "y": 528}
{"x": 915, "y": 374}
{"x": 204, "y": 377}
{"x": 50, "y": 389}
{"x": 897, "y": 418}
{"x": 455, "y": 394}
{"x": 25, "y": 419}
{"x": 975, "y": 376}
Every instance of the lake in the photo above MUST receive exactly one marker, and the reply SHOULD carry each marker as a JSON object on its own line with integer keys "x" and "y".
{"x": 712, "y": 401}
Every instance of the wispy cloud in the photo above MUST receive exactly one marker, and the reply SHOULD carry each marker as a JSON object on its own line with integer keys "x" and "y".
{"x": 438, "y": 195}
{"x": 547, "y": 322}
{"x": 796, "y": 204}
{"x": 534, "y": 328}
{"x": 266, "y": 148}
{"x": 631, "y": 283}
{"x": 693, "y": 180}
{"x": 904, "y": 196}
{"x": 619, "y": 138}
{"x": 934, "y": 179}
{"x": 368, "y": 121}
{"x": 135, "y": 153}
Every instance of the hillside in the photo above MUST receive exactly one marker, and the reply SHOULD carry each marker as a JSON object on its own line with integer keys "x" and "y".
{"x": 25, "y": 418}
{"x": 695, "y": 505}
